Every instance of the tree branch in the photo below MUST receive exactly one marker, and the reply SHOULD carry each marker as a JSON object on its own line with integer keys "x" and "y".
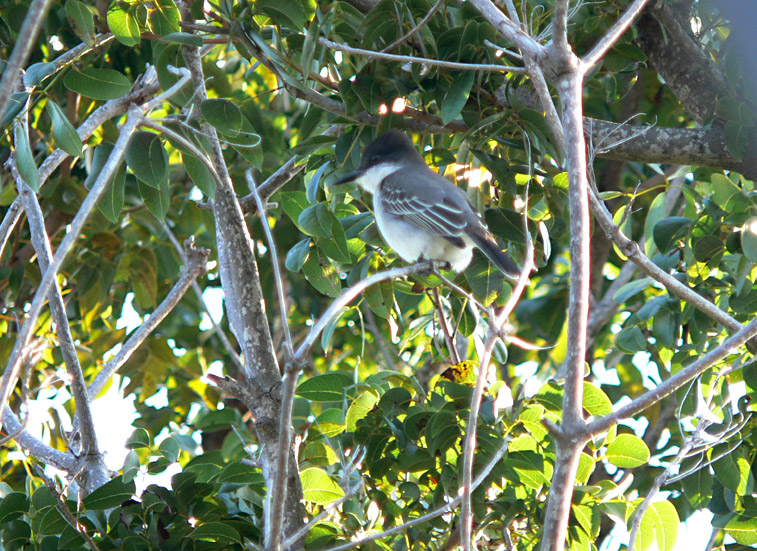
{"x": 25, "y": 41}
{"x": 96, "y": 473}
{"x": 371, "y": 54}
{"x": 13, "y": 366}
{"x": 609, "y": 39}
{"x": 680, "y": 379}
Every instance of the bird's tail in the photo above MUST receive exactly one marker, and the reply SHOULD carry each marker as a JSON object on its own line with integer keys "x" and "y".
{"x": 489, "y": 246}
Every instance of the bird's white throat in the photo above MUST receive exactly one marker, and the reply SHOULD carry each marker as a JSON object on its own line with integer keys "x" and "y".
{"x": 371, "y": 178}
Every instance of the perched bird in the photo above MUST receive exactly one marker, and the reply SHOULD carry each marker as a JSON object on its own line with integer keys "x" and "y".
{"x": 421, "y": 214}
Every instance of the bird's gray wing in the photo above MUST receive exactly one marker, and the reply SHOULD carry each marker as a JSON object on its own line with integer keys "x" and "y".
{"x": 431, "y": 208}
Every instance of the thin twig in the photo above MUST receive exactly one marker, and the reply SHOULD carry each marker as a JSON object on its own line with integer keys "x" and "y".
{"x": 680, "y": 379}
{"x": 446, "y": 508}
{"x": 449, "y": 337}
{"x": 347, "y": 296}
{"x": 65, "y": 512}
{"x": 610, "y": 37}
{"x": 198, "y": 293}
{"x": 9, "y": 222}
{"x": 25, "y": 41}
{"x": 412, "y": 32}
{"x": 283, "y": 309}
{"x": 371, "y": 54}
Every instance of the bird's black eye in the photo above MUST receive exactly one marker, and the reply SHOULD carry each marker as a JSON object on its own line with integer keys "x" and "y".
{"x": 374, "y": 159}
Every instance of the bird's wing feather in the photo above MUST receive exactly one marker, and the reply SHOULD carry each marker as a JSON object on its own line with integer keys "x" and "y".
{"x": 440, "y": 216}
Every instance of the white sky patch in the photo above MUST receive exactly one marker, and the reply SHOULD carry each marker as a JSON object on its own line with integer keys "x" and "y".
{"x": 129, "y": 319}
{"x": 113, "y": 415}
{"x": 213, "y": 297}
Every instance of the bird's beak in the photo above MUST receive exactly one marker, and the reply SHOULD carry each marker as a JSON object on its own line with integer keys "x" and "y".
{"x": 349, "y": 177}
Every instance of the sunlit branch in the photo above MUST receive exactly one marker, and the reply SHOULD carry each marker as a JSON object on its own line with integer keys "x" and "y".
{"x": 12, "y": 216}
{"x": 609, "y": 39}
{"x": 371, "y": 54}
{"x": 560, "y": 24}
{"x": 13, "y": 365}
{"x": 40, "y": 451}
{"x": 97, "y": 473}
{"x": 632, "y": 251}
{"x": 347, "y": 296}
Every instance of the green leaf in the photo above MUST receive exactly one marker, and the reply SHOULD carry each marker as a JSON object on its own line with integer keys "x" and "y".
{"x": 456, "y": 95}
{"x": 186, "y": 39}
{"x": 315, "y": 182}
{"x": 147, "y": 158}
{"x": 485, "y": 279}
{"x": 734, "y": 472}
{"x": 736, "y": 139}
{"x": 749, "y": 239}
{"x": 317, "y": 220}
{"x": 112, "y": 200}
{"x": 335, "y": 246}
{"x": 330, "y": 422}
{"x": 164, "y": 17}
{"x": 741, "y": 526}
{"x": 659, "y": 525}
{"x": 37, "y": 72}
{"x": 285, "y": 13}
{"x": 297, "y": 255}
{"x": 318, "y": 487}
{"x": 627, "y": 451}
{"x": 328, "y": 387}
{"x": 13, "y": 506}
{"x": 670, "y": 230}
{"x": 223, "y": 115}
{"x": 630, "y": 289}
{"x": 123, "y": 23}
{"x": 170, "y": 449}
{"x": 321, "y": 274}
{"x": 216, "y": 532}
{"x": 81, "y": 19}
{"x": 360, "y": 407}
{"x": 99, "y": 84}
{"x": 328, "y": 331}
{"x": 140, "y": 438}
{"x": 158, "y": 200}
{"x": 631, "y": 340}
{"x": 111, "y": 494}
{"x": 16, "y": 103}
{"x": 25, "y": 164}
{"x": 201, "y": 176}
{"x": 16, "y": 535}
{"x": 595, "y": 401}
{"x": 64, "y": 133}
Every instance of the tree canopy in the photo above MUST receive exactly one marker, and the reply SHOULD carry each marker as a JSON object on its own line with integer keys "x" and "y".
{"x": 157, "y": 153}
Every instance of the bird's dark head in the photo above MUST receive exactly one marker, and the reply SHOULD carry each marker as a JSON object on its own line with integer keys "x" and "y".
{"x": 391, "y": 147}
{"x": 384, "y": 155}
